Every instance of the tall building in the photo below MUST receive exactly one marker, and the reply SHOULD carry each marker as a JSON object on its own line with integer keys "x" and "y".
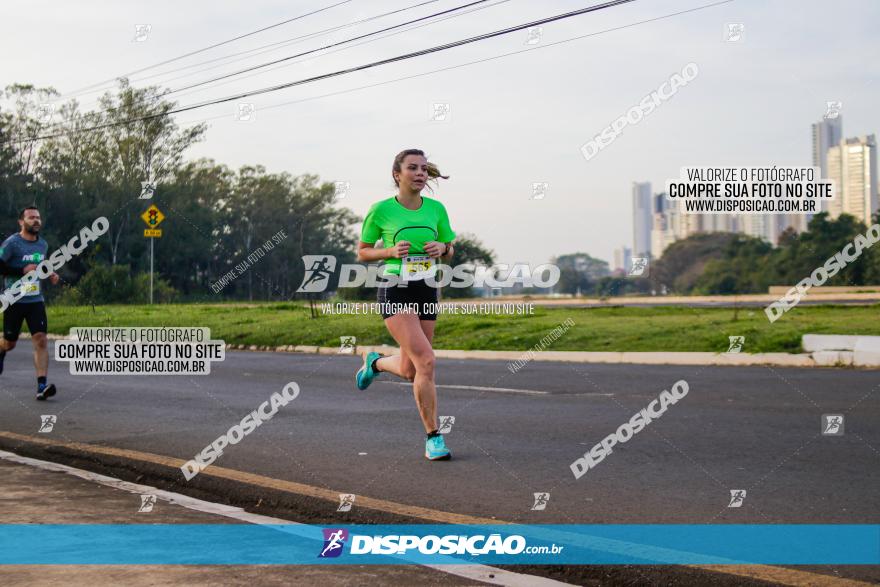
{"x": 661, "y": 203}
{"x": 826, "y": 134}
{"x": 666, "y": 224}
{"x": 852, "y": 165}
{"x": 798, "y": 222}
{"x": 694, "y": 223}
{"x": 643, "y": 208}
{"x": 765, "y": 226}
{"x": 622, "y": 260}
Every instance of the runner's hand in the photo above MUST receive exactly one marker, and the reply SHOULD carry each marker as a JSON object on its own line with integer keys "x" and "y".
{"x": 434, "y": 249}
{"x": 54, "y": 278}
{"x": 29, "y": 268}
{"x": 400, "y": 250}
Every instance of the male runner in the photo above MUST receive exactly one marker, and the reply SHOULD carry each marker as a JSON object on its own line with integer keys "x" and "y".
{"x": 23, "y": 251}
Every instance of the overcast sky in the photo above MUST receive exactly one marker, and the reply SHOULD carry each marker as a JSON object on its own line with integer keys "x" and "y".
{"x": 513, "y": 121}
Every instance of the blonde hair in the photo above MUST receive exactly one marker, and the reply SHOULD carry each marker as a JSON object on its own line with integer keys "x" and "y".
{"x": 433, "y": 170}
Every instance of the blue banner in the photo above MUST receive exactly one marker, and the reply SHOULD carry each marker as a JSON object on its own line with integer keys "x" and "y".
{"x": 286, "y": 544}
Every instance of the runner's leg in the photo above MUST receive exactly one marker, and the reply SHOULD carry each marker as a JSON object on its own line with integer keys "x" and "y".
{"x": 12, "y": 319}
{"x": 401, "y": 365}
{"x": 428, "y": 329}
{"x": 41, "y": 353}
{"x": 37, "y": 324}
{"x": 410, "y": 335}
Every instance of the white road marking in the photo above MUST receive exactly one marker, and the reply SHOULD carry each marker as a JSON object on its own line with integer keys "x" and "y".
{"x": 500, "y": 389}
{"x": 484, "y": 573}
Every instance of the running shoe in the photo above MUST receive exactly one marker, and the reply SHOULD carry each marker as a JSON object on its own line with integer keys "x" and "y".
{"x": 365, "y": 374}
{"x": 435, "y": 449}
{"x": 46, "y": 392}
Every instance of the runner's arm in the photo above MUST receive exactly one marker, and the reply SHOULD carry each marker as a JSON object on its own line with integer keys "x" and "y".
{"x": 367, "y": 253}
{"x": 449, "y": 253}
{"x": 7, "y": 270}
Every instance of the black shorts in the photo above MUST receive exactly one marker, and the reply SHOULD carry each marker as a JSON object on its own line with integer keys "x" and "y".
{"x": 415, "y": 297}
{"x": 33, "y": 312}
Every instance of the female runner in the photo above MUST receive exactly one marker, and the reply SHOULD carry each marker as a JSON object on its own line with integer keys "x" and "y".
{"x": 415, "y": 235}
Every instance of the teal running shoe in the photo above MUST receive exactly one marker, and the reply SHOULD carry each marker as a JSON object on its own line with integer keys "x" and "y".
{"x": 435, "y": 449}
{"x": 365, "y": 374}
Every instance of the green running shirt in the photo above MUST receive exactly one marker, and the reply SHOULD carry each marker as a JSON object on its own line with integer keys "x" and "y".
{"x": 392, "y": 222}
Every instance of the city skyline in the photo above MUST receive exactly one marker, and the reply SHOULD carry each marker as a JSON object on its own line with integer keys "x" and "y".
{"x": 850, "y": 162}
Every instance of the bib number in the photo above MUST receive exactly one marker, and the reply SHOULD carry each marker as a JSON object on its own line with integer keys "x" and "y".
{"x": 31, "y": 289}
{"x": 415, "y": 267}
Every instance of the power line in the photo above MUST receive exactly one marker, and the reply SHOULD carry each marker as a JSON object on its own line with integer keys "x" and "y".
{"x": 255, "y": 67}
{"x": 403, "y": 57}
{"x": 214, "y": 46}
{"x": 447, "y": 12}
{"x": 255, "y": 51}
{"x": 496, "y": 3}
{"x": 475, "y": 62}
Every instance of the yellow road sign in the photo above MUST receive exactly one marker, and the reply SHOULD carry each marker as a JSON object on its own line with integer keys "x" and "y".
{"x": 153, "y": 216}
{"x": 153, "y": 232}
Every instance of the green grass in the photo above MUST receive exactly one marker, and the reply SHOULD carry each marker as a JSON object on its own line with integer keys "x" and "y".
{"x": 664, "y": 328}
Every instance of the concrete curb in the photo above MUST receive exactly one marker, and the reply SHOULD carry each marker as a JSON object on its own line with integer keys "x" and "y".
{"x": 816, "y": 359}
{"x": 836, "y": 349}
{"x": 645, "y": 358}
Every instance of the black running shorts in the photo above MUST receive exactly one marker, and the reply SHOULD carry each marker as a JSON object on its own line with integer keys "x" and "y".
{"x": 34, "y": 313}
{"x": 415, "y": 297}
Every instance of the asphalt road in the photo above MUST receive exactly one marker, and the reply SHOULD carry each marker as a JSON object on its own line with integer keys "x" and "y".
{"x": 752, "y": 428}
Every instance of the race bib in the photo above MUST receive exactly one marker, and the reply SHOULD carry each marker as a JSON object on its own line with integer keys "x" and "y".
{"x": 415, "y": 267}
{"x": 31, "y": 289}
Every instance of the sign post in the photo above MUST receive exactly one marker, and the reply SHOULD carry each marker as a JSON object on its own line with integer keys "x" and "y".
{"x": 153, "y": 217}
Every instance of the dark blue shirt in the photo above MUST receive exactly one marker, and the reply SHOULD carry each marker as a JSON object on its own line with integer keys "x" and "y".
{"x": 18, "y": 252}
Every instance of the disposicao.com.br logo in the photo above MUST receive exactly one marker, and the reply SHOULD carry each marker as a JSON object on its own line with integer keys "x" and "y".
{"x": 334, "y": 541}
{"x": 450, "y": 544}
{"x": 320, "y": 268}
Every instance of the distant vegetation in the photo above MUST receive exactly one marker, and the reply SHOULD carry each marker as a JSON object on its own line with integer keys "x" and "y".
{"x": 215, "y": 216}
{"x": 730, "y": 263}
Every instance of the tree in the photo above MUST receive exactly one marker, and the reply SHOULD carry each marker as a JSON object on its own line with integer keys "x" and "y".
{"x": 141, "y": 143}
{"x": 467, "y": 249}
{"x": 189, "y": 254}
{"x": 684, "y": 261}
{"x": 620, "y": 286}
{"x": 748, "y": 265}
{"x": 579, "y": 272}
{"x": 822, "y": 239}
{"x": 262, "y": 204}
{"x": 872, "y": 261}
